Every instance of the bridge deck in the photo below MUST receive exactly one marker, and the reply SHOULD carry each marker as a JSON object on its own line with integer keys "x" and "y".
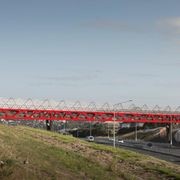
{"x": 77, "y": 115}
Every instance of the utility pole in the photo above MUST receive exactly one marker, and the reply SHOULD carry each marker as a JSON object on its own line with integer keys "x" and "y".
{"x": 114, "y": 133}
{"x": 65, "y": 126}
{"x": 135, "y": 131}
{"x": 108, "y": 130}
{"x": 90, "y": 128}
{"x": 171, "y": 134}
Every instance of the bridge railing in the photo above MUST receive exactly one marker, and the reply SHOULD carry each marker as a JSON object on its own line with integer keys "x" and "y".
{"x": 47, "y": 104}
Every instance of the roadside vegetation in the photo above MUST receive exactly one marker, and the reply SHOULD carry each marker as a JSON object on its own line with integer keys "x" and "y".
{"x": 27, "y": 153}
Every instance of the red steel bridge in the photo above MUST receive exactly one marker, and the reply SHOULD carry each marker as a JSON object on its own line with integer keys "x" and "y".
{"x": 19, "y": 109}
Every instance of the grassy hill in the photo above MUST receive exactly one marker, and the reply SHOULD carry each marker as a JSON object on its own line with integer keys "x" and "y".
{"x": 27, "y": 153}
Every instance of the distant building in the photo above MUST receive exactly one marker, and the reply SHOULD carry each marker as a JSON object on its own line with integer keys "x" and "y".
{"x": 177, "y": 136}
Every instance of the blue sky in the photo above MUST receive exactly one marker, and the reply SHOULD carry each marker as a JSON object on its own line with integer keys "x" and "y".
{"x": 91, "y": 50}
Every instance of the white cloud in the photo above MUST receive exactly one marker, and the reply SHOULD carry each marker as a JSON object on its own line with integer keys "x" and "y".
{"x": 170, "y": 25}
{"x": 170, "y": 29}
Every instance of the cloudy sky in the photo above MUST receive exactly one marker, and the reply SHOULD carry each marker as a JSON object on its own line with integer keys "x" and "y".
{"x": 91, "y": 50}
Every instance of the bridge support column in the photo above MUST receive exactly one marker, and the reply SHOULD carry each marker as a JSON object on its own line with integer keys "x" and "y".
{"x": 48, "y": 125}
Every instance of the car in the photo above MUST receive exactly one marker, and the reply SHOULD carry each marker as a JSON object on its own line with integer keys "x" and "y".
{"x": 120, "y": 141}
{"x": 90, "y": 138}
{"x": 149, "y": 145}
{"x": 12, "y": 123}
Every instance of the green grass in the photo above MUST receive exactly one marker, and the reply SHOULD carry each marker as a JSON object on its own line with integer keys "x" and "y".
{"x": 50, "y": 155}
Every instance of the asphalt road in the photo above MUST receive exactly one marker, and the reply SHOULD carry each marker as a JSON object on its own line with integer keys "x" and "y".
{"x": 159, "y": 150}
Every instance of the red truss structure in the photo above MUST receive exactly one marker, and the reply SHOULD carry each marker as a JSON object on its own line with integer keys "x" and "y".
{"x": 16, "y": 109}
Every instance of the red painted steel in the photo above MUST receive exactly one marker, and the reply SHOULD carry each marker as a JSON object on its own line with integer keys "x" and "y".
{"x": 75, "y": 115}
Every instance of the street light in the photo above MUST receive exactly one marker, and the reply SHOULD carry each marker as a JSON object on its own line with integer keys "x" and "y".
{"x": 135, "y": 131}
{"x": 90, "y": 128}
{"x": 114, "y": 133}
{"x": 108, "y": 129}
{"x": 114, "y": 119}
{"x": 171, "y": 136}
